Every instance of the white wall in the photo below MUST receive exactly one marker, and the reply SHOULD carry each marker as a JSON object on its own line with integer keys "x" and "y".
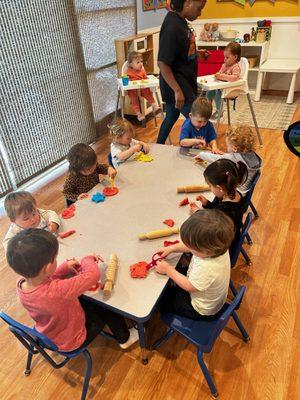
{"x": 285, "y": 43}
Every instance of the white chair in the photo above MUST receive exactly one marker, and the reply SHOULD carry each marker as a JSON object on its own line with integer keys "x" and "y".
{"x": 152, "y": 83}
{"x": 241, "y": 88}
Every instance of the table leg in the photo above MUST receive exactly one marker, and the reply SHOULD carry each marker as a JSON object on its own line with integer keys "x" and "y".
{"x": 254, "y": 119}
{"x": 228, "y": 111}
{"x": 122, "y": 105}
{"x": 290, "y": 98}
{"x": 219, "y": 116}
{"x": 143, "y": 344}
{"x": 258, "y": 86}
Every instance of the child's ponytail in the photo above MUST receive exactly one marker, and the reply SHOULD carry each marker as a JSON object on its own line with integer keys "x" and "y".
{"x": 227, "y": 174}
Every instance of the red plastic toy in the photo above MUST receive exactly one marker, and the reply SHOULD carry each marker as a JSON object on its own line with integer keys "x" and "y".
{"x": 184, "y": 202}
{"x": 68, "y": 212}
{"x": 110, "y": 191}
{"x": 169, "y": 222}
{"x": 63, "y": 235}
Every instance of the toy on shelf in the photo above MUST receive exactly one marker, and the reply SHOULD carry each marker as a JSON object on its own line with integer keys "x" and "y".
{"x": 193, "y": 189}
{"x": 110, "y": 275}
{"x": 215, "y": 33}
{"x": 247, "y": 37}
{"x": 158, "y": 234}
{"x": 205, "y": 34}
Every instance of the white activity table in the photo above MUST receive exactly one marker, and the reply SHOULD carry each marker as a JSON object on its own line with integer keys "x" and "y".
{"x": 147, "y": 197}
{"x": 282, "y": 66}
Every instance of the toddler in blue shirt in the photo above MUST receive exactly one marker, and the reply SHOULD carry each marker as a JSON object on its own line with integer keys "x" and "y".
{"x": 197, "y": 131}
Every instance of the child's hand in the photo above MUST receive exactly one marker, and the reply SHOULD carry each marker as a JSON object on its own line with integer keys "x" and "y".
{"x": 217, "y": 75}
{"x": 83, "y": 196}
{"x": 53, "y": 227}
{"x": 165, "y": 251}
{"x": 111, "y": 172}
{"x": 200, "y": 142}
{"x": 162, "y": 267}
{"x": 73, "y": 265}
{"x": 193, "y": 208}
{"x": 215, "y": 150}
{"x": 202, "y": 199}
{"x": 146, "y": 148}
{"x": 137, "y": 147}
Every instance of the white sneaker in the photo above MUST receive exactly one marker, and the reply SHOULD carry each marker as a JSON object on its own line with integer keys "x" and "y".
{"x": 133, "y": 337}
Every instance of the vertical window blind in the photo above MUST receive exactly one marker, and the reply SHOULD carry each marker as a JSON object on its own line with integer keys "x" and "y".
{"x": 52, "y": 87}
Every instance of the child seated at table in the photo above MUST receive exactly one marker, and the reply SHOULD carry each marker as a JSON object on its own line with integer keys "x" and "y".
{"x": 21, "y": 209}
{"x": 224, "y": 178}
{"x": 123, "y": 144}
{"x": 197, "y": 131}
{"x": 52, "y": 295}
{"x": 200, "y": 291}
{"x": 136, "y": 71}
{"x": 241, "y": 145}
{"x": 84, "y": 172}
{"x": 229, "y": 72}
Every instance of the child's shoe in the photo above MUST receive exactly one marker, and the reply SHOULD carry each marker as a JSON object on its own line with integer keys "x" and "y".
{"x": 133, "y": 338}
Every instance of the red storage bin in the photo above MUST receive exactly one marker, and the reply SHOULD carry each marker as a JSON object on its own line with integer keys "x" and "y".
{"x": 212, "y": 64}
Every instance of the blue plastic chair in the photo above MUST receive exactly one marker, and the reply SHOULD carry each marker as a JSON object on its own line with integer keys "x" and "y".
{"x": 36, "y": 342}
{"x": 203, "y": 334}
{"x": 239, "y": 248}
{"x": 248, "y": 197}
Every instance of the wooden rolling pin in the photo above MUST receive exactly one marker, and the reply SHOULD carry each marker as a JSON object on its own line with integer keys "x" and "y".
{"x": 159, "y": 233}
{"x": 110, "y": 275}
{"x": 193, "y": 189}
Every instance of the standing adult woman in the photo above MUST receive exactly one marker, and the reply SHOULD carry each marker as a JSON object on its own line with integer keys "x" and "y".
{"x": 177, "y": 60}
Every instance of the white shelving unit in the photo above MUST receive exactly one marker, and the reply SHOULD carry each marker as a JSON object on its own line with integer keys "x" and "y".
{"x": 250, "y": 49}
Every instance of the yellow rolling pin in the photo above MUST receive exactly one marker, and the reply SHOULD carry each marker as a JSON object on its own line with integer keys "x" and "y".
{"x": 193, "y": 189}
{"x": 110, "y": 275}
{"x": 158, "y": 234}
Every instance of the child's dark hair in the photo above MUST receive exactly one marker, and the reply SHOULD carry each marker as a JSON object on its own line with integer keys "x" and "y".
{"x": 177, "y": 5}
{"x": 17, "y": 203}
{"x": 133, "y": 55}
{"x": 235, "y": 49}
{"x": 81, "y": 156}
{"x": 30, "y": 250}
{"x": 208, "y": 230}
{"x": 227, "y": 174}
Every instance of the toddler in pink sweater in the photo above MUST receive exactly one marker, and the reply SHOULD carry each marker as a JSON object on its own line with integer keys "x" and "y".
{"x": 52, "y": 295}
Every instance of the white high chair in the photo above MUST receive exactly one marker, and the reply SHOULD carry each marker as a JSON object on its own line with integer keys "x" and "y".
{"x": 231, "y": 90}
{"x": 234, "y": 91}
{"x": 152, "y": 83}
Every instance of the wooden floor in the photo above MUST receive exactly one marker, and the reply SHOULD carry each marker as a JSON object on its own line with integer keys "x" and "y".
{"x": 265, "y": 368}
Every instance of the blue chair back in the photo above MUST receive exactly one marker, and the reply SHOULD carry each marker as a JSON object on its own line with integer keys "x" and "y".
{"x": 224, "y": 318}
{"x": 245, "y": 230}
{"x": 247, "y": 198}
{"x": 31, "y": 335}
{"x": 109, "y": 158}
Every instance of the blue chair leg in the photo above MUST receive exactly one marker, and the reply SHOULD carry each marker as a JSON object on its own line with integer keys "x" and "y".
{"x": 232, "y": 288}
{"x": 207, "y": 374}
{"x": 239, "y": 324}
{"x": 254, "y": 210}
{"x": 87, "y": 374}
{"x": 249, "y": 240}
{"x": 28, "y": 364}
{"x": 163, "y": 339}
{"x": 246, "y": 257}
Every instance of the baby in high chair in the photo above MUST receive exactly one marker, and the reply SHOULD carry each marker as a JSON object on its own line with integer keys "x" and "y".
{"x": 136, "y": 71}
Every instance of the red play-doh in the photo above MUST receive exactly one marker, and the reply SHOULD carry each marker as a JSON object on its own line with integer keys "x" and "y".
{"x": 139, "y": 270}
{"x": 110, "y": 191}
{"x": 63, "y": 235}
{"x": 184, "y": 202}
{"x": 169, "y": 222}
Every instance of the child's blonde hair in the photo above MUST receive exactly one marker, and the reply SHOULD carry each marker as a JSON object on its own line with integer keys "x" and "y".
{"x": 118, "y": 127}
{"x": 243, "y": 138}
{"x": 202, "y": 107}
{"x": 133, "y": 55}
